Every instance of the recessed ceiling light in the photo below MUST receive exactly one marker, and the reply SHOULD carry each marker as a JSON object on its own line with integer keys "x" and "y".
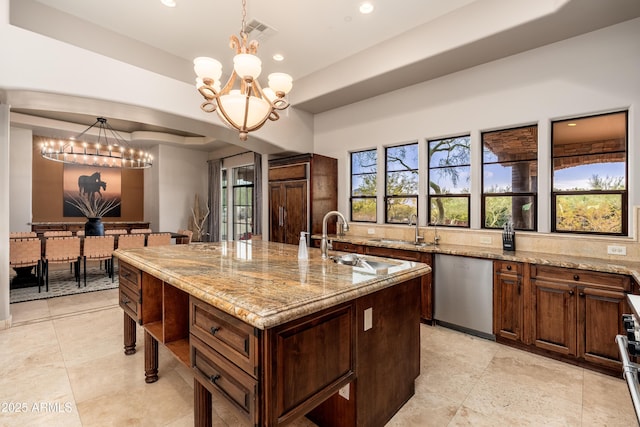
{"x": 366, "y": 8}
{"x": 572, "y": 124}
{"x": 278, "y": 57}
{"x": 168, "y": 3}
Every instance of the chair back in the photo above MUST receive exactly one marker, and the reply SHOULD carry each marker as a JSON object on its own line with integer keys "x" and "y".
{"x": 98, "y": 247}
{"x": 24, "y": 252}
{"x": 22, "y": 234}
{"x": 62, "y": 249}
{"x": 185, "y": 240}
{"x": 57, "y": 233}
{"x": 131, "y": 241}
{"x": 159, "y": 239}
{"x": 117, "y": 231}
{"x": 141, "y": 231}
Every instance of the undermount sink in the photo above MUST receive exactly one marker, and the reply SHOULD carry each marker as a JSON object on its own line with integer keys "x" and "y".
{"x": 364, "y": 265}
{"x": 400, "y": 242}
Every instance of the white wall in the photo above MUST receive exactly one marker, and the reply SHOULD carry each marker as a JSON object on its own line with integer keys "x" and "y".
{"x": 20, "y": 179}
{"x": 178, "y": 174}
{"x": 593, "y": 73}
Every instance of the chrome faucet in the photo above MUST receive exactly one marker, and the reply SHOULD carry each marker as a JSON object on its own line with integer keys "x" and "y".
{"x": 436, "y": 238}
{"x": 413, "y": 219}
{"x": 324, "y": 244}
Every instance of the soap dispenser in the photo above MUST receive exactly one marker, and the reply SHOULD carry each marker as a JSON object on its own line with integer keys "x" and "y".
{"x": 302, "y": 247}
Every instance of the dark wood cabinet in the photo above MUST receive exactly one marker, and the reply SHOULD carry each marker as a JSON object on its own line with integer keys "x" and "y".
{"x": 302, "y": 189}
{"x": 578, "y": 313}
{"x": 508, "y": 297}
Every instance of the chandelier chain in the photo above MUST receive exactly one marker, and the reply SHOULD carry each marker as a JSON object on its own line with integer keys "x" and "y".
{"x": 244, "y": 17}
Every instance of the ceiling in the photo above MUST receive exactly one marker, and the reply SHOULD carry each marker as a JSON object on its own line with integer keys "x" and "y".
{"x": 335, "y": 54}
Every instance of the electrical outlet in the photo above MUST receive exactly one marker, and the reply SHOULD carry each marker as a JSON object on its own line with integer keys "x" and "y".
{"x": 344, "y": 391}
{"x": 371, "y": 231}
{"x": 616, "y": 250}
{"x": 486, "y": 240}
{"x": 368, "y": 319}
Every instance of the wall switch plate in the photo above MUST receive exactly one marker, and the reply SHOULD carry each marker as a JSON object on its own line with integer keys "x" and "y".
{"x": 368, "y": 319}
{"x": 371, "y": 231}
{"x": 486, "y": 240}
{"x": 616, "y": 250}
{"x": 344, "y": 391}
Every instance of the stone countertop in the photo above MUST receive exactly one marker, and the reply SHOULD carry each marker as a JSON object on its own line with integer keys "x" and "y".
{"x": 263, "y": 283}
{"x": 106, "y": 221}
{"x": 629, "y": 268}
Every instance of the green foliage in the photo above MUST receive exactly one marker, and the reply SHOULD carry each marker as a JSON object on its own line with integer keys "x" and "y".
{"x": 594, "y": 213}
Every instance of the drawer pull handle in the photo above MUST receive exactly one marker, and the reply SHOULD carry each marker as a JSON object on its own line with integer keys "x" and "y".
{"x": 576, "y": 277}
{"x": 126, "y": 301}
{"x": 582, "y": 294}
{"x": 509, "y": 267}
{"x": 571, "y": 293}
{"x": 214, "y": 378}
{"x": 214, "y": 330}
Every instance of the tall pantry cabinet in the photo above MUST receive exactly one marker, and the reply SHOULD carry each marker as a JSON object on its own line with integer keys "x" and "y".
{"x": 302, "y": 189}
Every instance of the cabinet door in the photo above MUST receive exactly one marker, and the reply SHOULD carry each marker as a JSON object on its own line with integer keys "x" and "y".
{"x": 276, "y": 213}
{"x": 507, "y": 310}
{"x": 554, "y": 316}
{"x": 295, "y": 211}
{"x": 599, "y": 323}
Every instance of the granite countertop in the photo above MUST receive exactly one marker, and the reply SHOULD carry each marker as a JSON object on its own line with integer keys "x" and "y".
{"x": 83, "y": 222}
{"x": 263, "y": 283}
{"x": 629, "y": 268}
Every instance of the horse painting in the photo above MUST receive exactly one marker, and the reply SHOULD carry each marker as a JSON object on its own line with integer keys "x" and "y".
{"x": 88, "y": 186}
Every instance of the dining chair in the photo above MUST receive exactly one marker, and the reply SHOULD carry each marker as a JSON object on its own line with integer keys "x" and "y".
{"x": 98, "y": 248}
{"x": 184, "y": 240}
{"x": 159, "y": 239}
{"x": 141, "y": 231}
{"x": 131, "y": 241}
{"x": 115, "y": 231}
{"x": 57, "y": 233}
{"x": 80, "y": 233}
{"x": 22, "y": 234}
{"x": 61, "y": 250}
{"x": 26, "y": 252}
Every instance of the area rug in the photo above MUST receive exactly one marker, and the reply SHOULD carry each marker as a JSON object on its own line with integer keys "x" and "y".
{"x": 61, "y": 283}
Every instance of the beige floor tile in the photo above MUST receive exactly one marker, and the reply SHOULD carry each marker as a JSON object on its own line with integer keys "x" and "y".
{"x": 29, "y": 311}
{"x": 606, "y": 401}
{"x": 425, "y": 410}
{"x": 83, "y": 302}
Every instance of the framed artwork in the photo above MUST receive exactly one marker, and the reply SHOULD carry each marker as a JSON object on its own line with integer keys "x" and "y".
{"x": 91, "y": 191}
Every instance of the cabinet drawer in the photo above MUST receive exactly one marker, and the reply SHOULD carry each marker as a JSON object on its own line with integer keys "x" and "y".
{"x": 129, "y": 302}
{"x": 581, "y": 277}
{"x": 219, "y": 375}
{"x": 130, "y": 277}
{"x": 345, "y": 247}
{"x": 227, "y": 335}
{"x": 508, "y": 267}
{"x": 282, "y": 173}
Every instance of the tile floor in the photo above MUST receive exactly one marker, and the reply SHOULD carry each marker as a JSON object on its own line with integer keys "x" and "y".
{"x": 62, "y": 364}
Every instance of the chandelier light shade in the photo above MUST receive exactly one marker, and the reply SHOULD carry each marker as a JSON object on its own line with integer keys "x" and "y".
{"x": 111, "y": 150}
{"x": 242, "y": 103}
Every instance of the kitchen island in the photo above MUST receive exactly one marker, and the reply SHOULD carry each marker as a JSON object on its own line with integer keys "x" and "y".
{"x": 277, "y": 337}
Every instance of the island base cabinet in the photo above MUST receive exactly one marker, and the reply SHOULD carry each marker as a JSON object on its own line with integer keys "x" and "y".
{"x": 388, "y": 330}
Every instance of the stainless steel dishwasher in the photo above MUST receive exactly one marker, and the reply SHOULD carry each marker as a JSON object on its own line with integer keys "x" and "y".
{"x": 464, "y": 294}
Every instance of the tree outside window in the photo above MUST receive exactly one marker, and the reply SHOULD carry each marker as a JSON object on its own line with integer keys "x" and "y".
{"x": 364, "y": 172}
{"x": 590, "y": 174}
{"x": 401, "y": 183}
{"x": 449, "y": 180}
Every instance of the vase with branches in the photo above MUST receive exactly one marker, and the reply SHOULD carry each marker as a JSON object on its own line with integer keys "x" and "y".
{"x": 197, "y": 222}
{"x": 94, "y": 208}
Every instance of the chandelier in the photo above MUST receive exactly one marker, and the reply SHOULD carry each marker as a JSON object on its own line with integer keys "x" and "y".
{"x": 241, "y": 103}
{"x": 114, "y": 153}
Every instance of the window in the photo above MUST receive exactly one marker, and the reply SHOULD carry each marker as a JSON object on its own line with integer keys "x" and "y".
{"x": 590, "y": 174}
{"x": 449, "y": 180}
{"x": 401, "y": 184}
{"x": 364, "y": 172}
{"x": 224, "y": 214}
{"x": 243, "y": 202}
{"x": 510, "y": 177}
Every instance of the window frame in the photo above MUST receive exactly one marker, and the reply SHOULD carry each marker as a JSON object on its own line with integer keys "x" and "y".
{"x": 235, "y": 205}
{"x": 450, "y": 195}
{"x": 512, "y": 194}
{"x": 624, "y": 194}
{"x": 388, "y": 197}
{"x": 351, "y": 195}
